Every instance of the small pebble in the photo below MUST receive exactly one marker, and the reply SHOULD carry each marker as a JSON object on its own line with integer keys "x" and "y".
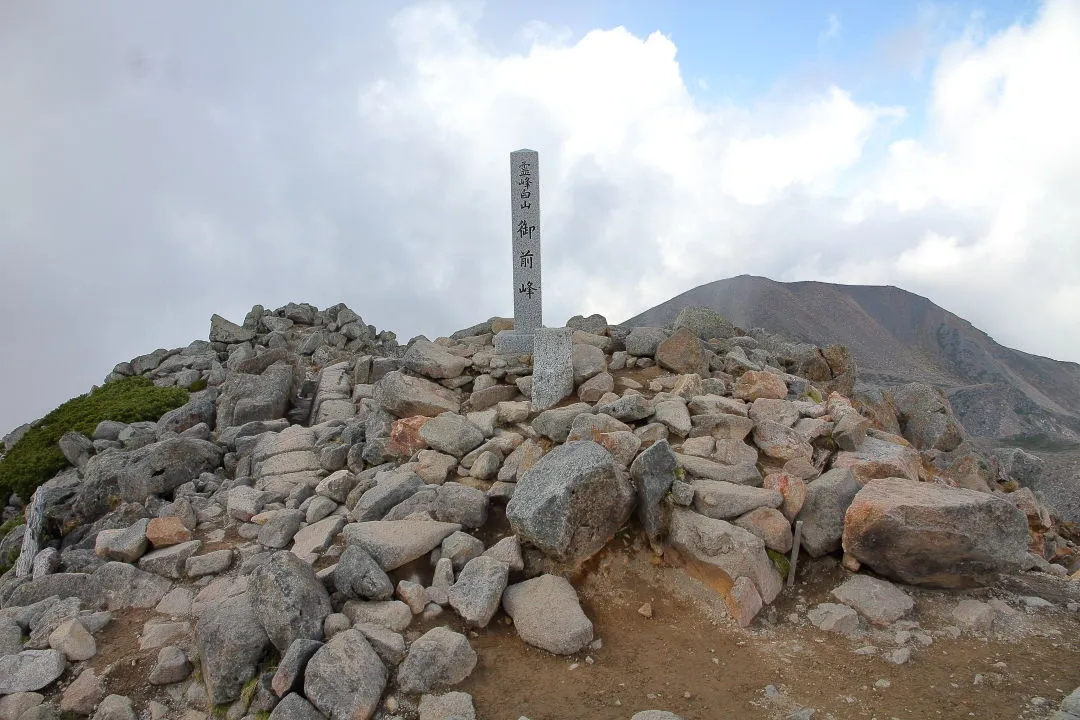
{"x": 645, "y": 610}
{"x": 882, "y": 683}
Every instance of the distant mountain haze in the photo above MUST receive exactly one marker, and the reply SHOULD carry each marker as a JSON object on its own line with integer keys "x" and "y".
{"x": 898, "y": 337}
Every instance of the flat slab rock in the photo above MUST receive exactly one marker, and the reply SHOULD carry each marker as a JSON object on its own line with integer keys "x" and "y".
{"x": 547, "y": 614}
{"x": 30, "y": 670}
{"x": 879, "y": 601}
{"x": 393, "y": 543}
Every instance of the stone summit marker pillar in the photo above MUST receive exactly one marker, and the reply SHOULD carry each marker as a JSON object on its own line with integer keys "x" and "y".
{"x": 525, "y": 229}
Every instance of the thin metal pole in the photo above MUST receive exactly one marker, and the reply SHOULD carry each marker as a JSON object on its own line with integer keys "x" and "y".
{"x": 795, "y": 552}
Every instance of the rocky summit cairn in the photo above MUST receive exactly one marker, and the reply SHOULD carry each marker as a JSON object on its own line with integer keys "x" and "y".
{"x": 330, "y": 522}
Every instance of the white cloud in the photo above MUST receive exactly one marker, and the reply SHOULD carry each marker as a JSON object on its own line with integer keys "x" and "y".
{"x": 349, "y": 157}
{"x": 832, "y": 29}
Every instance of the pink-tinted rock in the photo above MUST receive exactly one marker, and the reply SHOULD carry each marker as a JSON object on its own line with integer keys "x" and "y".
{"x": 743, "y": 601}
{"x": 934, "y": 535}
{"x": 755, "y": 384}
{"x": 682, "y": 353}
{"x": 167, "y": 531}
{"x": 770, "y": 525}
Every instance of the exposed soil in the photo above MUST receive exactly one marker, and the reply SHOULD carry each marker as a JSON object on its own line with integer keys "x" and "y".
{"x": 691, "y": 659}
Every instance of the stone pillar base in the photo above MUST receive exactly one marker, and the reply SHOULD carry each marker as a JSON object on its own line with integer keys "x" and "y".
{"x": 511, "y": 342}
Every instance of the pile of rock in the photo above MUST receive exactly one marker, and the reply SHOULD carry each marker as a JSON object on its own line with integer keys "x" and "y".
{"x": 326, "y": 491}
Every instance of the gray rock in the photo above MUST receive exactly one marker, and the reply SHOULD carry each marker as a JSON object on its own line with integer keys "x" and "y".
{"x": 780, "y": 442}
{"x": 231, "y": 642}
{"x": 674, "y": 415}
{"x": 10, "y": 636}
{"x": 76, "y": 447}
{"x": 358, "y": 575}
{"x": 172, "y": 666}
{"x": 211, "y": 563}
{"x": 507, "y": 550}
{"x": 832, "y": 617}
{"x": 430, "y": 360}
{"x": 971, "y": 614}
{"x": 30, "y": 670}
{"x": 587, "y": 361}
{"x": 478, "y": 590}
{"x": 733, "y": 550}
{"x": 879, "y": 601}
{"x": 223, "y": 331}
{"x": 337, "y": 486}
{"x": 395, "y": 543}
{"x": 115, "y": 707}
{"x": 318, "y": 508}
{"x": 927, "y": 418}
{"x": 449, "y": 706}
{"x": 653, "y": 472}
{"x": 491, "y": 396}
{"x": 393, "y": 615}
{"x": 169, "y": 561}
{"x": 725, "y": 501}
{"x": 119, "y": 586}
{"x": 783, "y": 412}
{"x": 461, "y": 504}
{"x": 486, "y": 465}
{"x": 317, "y": 536}
{"x": 746, "y": 474}
{"x": 705, "y": 323}
{"x": 556, "y": 423}
{"x": 200, "y": 410}
{"x": 390, "y": 489}
{"x": 124, "y": 545}
{"x": 289, "y": 676}
{"x": 451, "y": 434}
{"x": 460, "y": 547}
{"x": 1071, "y": 702}
{"x": 439, "y": 658}
{"x": 248, "y": 398}
{"x": 83, "y": 694}
{"x": 934, "y": 535}
{"x": 628, "y": 408}
{"x": 553, "y": 367}
{"x": 295, "y": 707}
{"x": 387, "y": 644}
{"x": 245, "y": 502}
{"x": 72, "y": 639}
{"x": 108, "y": 430}
{"x": 655, "y": 715}
{"x": 571, "y": 502}
{"x": 288, "y": 599}
{"x": 643, "y": 341}
{"x": 405, "y": 396}
{"x": 160, "y": 468}
{"x": 279, "y": 529}
{"x": 822, "y": 514}
{"x": 547, "y": 614}
{"x": 345, "y": 678}
{"x": 722, "y": 426}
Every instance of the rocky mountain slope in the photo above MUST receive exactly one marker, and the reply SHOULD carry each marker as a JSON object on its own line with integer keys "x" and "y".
{"x": 335, "y": 526}
{"x": 897, "y": 337}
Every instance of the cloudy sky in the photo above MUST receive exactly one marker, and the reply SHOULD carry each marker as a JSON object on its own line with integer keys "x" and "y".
{"x": 165, "y": 161}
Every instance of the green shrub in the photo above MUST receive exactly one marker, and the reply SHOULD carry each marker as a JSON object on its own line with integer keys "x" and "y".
{"x": 783, "y": 565}
{"x": 37, "y": 457}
